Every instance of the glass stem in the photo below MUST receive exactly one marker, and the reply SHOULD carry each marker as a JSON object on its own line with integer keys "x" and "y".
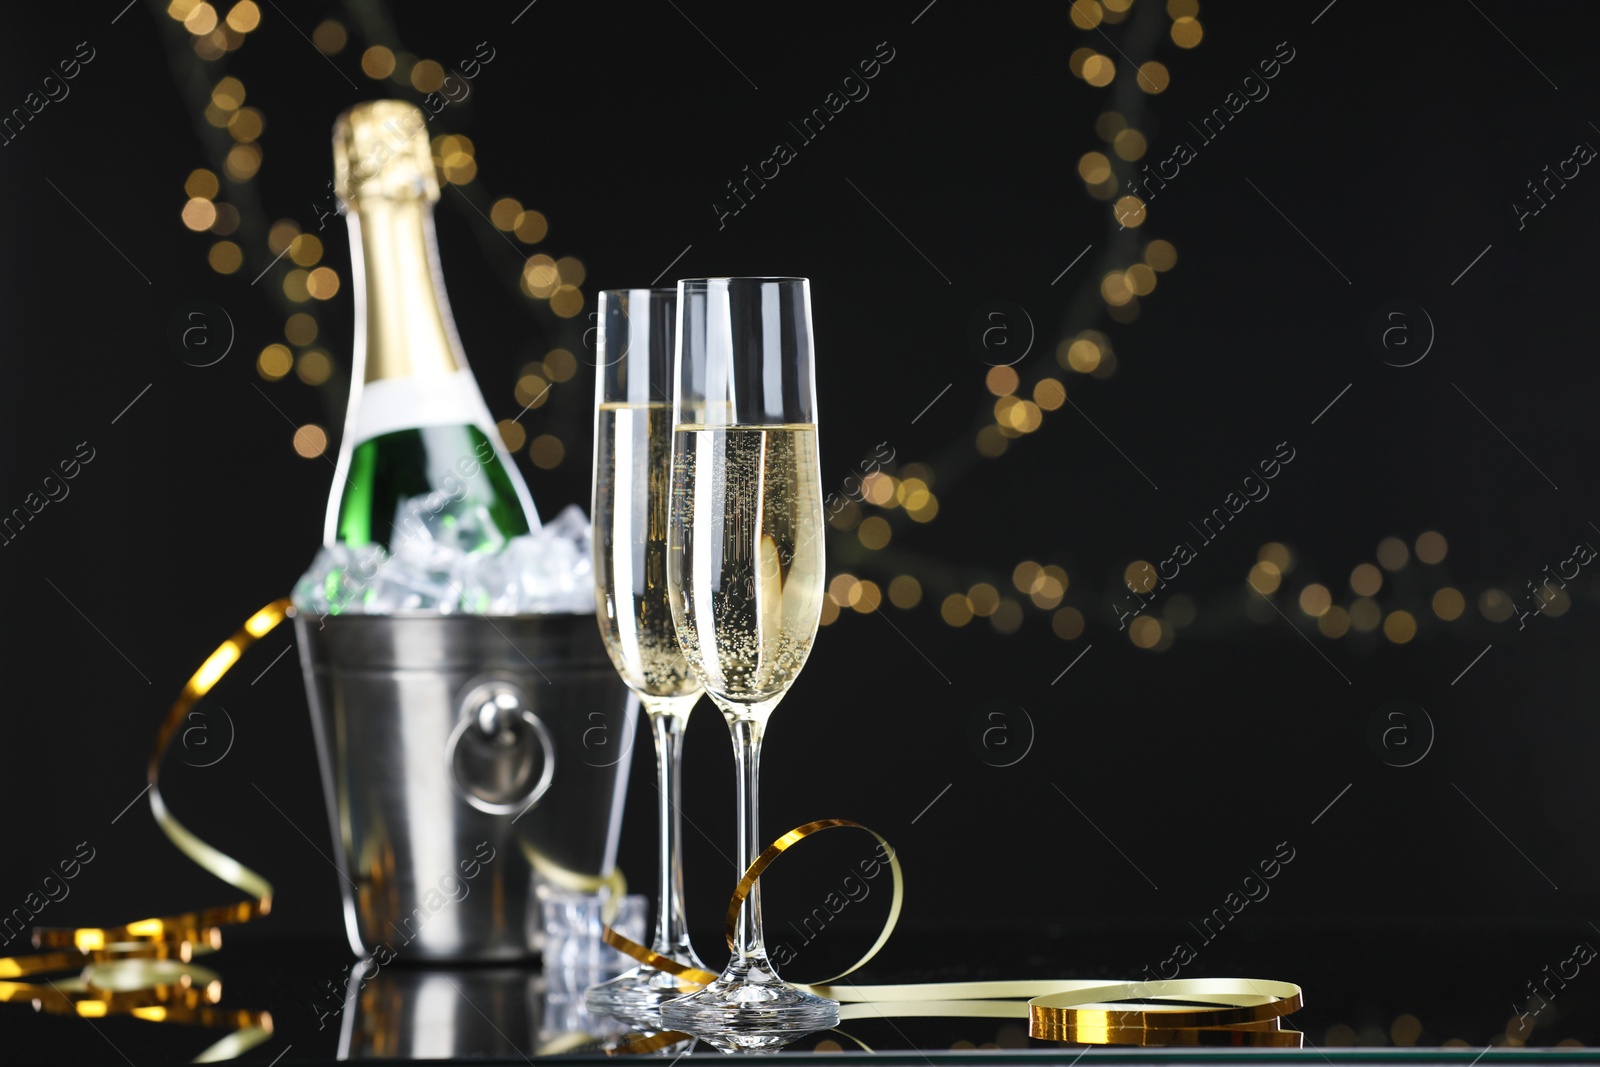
{"x": 749, "y": 948}
{"x": 667, "y": 722}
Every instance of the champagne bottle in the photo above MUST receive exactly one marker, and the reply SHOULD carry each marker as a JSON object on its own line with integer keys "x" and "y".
{"x": 420, "y": 451}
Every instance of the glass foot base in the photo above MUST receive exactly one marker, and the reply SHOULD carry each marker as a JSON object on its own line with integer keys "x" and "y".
{"x": 753, "y": 1003}
{"x": 635, "y": 996}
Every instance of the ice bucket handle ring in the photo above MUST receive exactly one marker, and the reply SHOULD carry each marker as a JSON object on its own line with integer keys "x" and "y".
{"x": 500, "y": 754}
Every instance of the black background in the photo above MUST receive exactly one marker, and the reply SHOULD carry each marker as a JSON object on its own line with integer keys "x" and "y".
{"x": 1396, "y": 141}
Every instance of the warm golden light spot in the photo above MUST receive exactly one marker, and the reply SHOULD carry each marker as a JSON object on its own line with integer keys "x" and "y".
{"x": 1048, "y": 587}
{"x": 829, "y": 614}
{"x": 305, "y": 249}
{"x": 244, "y": 16}
{"x": 179, "y": 10}
{"x": 1182, "y": 9}
{"x": 329, "y": 37}
{"x": 560, "y": 365}
{"x": 1139, "y": 576}
{"x": 566, "y": 301}
{"x": 1494, "y": 605}
{"x": 1130, "y": 211}
{"x": 905, "y": 592}
{"x": 1315, "y": 600}
{"x": 282, "y": 235}
{"x": 1109, "y": 124}
{"x": 1007, "y": 618}
{"x": 1098, "y": 70}
{"x": 512, "y": 435}
{"x": 201, "y": 19}
{"x": 503, "y": 213}
{"x": 1334, "y": 623}
{"x": 991, "y": 442}
{"x": 1432, "y": 547}
{"x": 1086, "y": 14}
{"x": 1366, "y": 580}
{"x": 874, "y": 532}
{"x": 1558, "y": 603}
{"x": 1400, "y": 627}
{"x": 547, "y": 452}
{"x": 242, "y": 162}
{"x": 1277, "y": 554}
{"x": 1405, "y": 1030}
{"x": 377, "y": 62}
{"x": 843, "y": 589}
{"x": 1154, "y": 77}
{"x": 1001, "y": 381}
{"x": 300, "y": 328}
{"x": 201, "y": 184}
{"x": 1141, "y": 279}
{"x": 274, "y": 362}
{"x": 1365, "y": 615}
{"x": 1094, "y": 167}
{"x": 310, "y": 441}
{"x": 1104, "y": 190}
{"x": 912, "y": 493}
{"x": 1083, "y": 355}
{"x": 531, "y": 227}
{"x": 1161, "y": 255}
{"x": 246, "y": 125}
{"x": 1025, "y": 574}
{"x": 1145, "y": 632}
{"x": 1049, "y": 394}
{"x": 847, "y": 517}
{"x": 322, "y": 283}
{"x": 878, "y": 488}
{"x": 1448, "y": 604}
{"x": 955, "y": 610}
{"x": 1076, "y": 61}
{"x": 1067, "y": 624}
{"x": 571, "y": 270}
{"x": 227, "y": 219}
{"x": 1114, "y": 289}
{"x": 313, "y": 367}
{"x": 294, "y": 286}
{"x": 228, "y": 94}
{"x": 540, "y": 276}
{"x": 199, "y": 214}
{"x": 225, "y": 257}
{"x": 1392, "y": 554}
{"x": 984, "y": 599}
{"x": 531, "y": 391}
{"x": 1130, "y": 145}
{"x": 427, "y": 76}
{"x": 1265, "y": 577}
{"x": 868, "y": 597}
{"x": 1187, "y": 31}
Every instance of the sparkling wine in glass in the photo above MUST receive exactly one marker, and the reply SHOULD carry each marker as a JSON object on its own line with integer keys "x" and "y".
{"x": 745, "y": 573}
{"x": 632, "y": 480}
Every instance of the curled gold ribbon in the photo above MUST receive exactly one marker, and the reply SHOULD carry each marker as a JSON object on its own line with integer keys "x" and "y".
{"x": 1188, "y": 1011}
{"x": 144, "y": 968}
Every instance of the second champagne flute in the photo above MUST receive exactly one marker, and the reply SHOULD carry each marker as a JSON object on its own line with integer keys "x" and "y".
{"x": 632, "y": 480}
{"x": 744, "y": 573}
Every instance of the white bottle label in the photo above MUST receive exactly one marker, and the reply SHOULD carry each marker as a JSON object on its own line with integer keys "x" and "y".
{"x": 391, "y": 404}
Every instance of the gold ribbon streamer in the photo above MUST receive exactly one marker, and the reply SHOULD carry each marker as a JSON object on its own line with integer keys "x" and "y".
{"x": 1186, "y": 1011}
{"x": 144, "y": 968}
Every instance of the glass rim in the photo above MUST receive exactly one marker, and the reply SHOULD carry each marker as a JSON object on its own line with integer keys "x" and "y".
{"x": 654, "y": 290}
{"x": 744, "y": 278}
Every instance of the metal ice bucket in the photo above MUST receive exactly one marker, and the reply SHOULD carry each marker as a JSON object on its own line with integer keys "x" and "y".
{"x": 457, "y": 753}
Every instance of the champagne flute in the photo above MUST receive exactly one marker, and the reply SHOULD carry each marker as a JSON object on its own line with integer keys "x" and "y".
{"x": 632, "y": 477}
{"x": 745, "y": 572}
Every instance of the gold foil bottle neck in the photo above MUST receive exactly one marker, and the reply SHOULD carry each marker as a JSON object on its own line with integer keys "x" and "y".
{"x": 381, "y": 149}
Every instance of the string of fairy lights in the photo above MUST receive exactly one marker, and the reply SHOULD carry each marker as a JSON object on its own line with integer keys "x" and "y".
{"x": 221, "y": 201}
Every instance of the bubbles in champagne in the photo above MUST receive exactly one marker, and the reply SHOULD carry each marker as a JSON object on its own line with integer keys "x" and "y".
{"x": 746, "y": 551}
{"x": 633, "y": 445}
